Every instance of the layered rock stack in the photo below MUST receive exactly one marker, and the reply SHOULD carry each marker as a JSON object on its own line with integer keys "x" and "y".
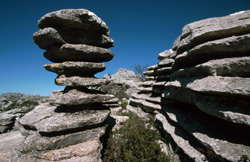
{"x": 205, "y": 80}
{"x": 71, "y": 125}
{"x": 148, "y": 99}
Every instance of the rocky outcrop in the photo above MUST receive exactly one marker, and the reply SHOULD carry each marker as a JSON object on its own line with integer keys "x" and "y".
{"x": 203, "y": 88}
{"x": 15, "y": 105}
{"x": 70, "y": 126}
{"x": 122, "y": 84}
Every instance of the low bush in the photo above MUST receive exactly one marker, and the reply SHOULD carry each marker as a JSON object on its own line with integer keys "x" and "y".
{"x": 134, "y": 142}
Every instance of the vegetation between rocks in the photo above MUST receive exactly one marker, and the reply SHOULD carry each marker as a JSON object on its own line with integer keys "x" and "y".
{"x": 135, "y": 141}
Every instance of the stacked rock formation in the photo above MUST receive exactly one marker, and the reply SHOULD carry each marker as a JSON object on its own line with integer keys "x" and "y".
{"x": 205, "y": 114}
{"x": 71, "y": 125}
{"x": 148, "y": 99}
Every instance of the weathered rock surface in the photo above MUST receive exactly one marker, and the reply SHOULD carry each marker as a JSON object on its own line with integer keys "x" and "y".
{"x": 238, "y": 66}
{"x": 74, "y": 18}
{"x": 124, "y": 76}
{"x": 75, "y": 81}
{"x": 201, "y": 86}
{"x": 49, "y": 37}
{"x": 233, "y": 86}
{"x": 15, "y": 105}
{"x": 78, "y": 52}
{"x": 70, "y": 126}
{"x": 122, "y": 84}
{"x": 73, "y": 97}
{"x": 9, "y": 145}
{"x": 37, "y": 142}
{"x": 86, "y": 151}
{"x": 7, "y": 122}
{"x": 181, "y": 139}
{"x": 211, "y": 133}
{"x": 213, "y": 28}
{"x": 70, "y": 68}
{"x": 227, "y": 108}
{"x": 234, "y": 46}
{"x": 53, "y": 121}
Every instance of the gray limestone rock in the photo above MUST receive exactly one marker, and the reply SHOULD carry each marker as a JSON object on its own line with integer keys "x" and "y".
{"x": 76, "y": 81}
{"x": 78, "y": 52}
{"x": 180, "y": 138}
{"x": 74, "y": 18}
{"x": 85, "y": 151}
{"x": 212, "y": 133}
{"x": 124, "y": 76}
{"x": 165, "y": 63}
{"x": 231, "y": 109}
{"x": 146, "y": 83}
{"x": 74, "y": 97}
{"x": 52, "y": 121}
{"x": 6, "y": 122}
{"x": 235, "y": 46}
{"x": 70, "y": 68}
{"x": 165, "y": 54}
{"x": 48, "y": 37}
{"x": 158, "y": 87}
{"x": 145, "y": 105}
{"x": 233, "y": 86}
{"x": 153, "y": 67}
{"x": 35, "y": 142}
{"x": 158, "y": 71}
{"x": 9, "y": 145}
{"x": 210, "y": 29}
{"x": 238, "y": 66}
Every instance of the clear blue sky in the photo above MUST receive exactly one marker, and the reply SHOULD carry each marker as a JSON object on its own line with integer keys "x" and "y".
{"x": 141, "y": 30}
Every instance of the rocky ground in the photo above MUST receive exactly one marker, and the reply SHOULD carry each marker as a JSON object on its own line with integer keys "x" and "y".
{"x": 15, "y": 105}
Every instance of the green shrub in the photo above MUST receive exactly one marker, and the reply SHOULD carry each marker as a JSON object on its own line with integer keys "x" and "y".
{"x": 124, "y": 104}
{"x": 134, "y": 143}
{"x": 121, "y": 94}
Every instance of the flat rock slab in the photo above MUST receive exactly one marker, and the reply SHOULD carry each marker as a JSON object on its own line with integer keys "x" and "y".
{"x": 76, "y": 81}
{"x": 159, "y": 71}
{"x": 85, "y": 151}
{"x": 9, "y": 145}
{"x": 74, "y": 18}
{"x": 145, "y": 89}
{"x": 165, "y": 63}
{"x": 235, "y": 86}
{"x": 35, "y": 142}
{"x": 165, "y": 54}
{"x": 48, "y": 37}
{"x": 78, "y": 52}
{"x": 156, "y": 100}
{"x": 234, "y": 46}
{"x": 70, "y": 68}
{"x": 6, "y": 122}
{"x": 152, "y": 67}
{"x": 213, "y": 28}
{"x": 237, "y": 66}
{"x": 145, "y": 105}
{"x": 146, "y": 83}
{"x": 53, "y": 121}
{"x": 231, "y": 109}
{"x": 180, "y": 138}
{"x": 211, "y": 133}
{"x": 76, "y": 97}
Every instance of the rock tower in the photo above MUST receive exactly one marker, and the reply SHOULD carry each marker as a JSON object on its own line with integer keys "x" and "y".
{"x": 71, "y": 125}
{"x": 203, "y": 90}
